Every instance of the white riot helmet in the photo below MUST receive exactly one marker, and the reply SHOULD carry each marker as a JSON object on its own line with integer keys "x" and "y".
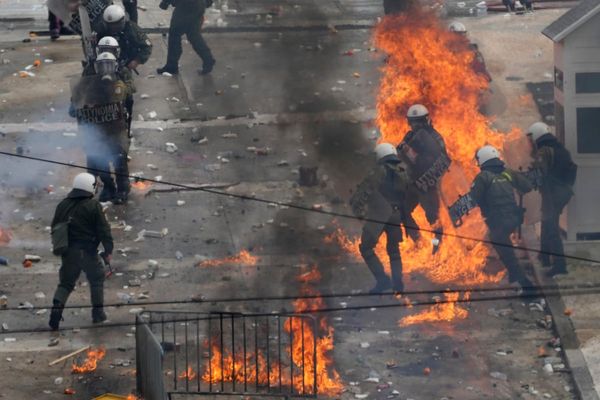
{"x": 108, "y": 44}
{"x": 114, "y": 18}
{"x": 417, "y": 116}
{"x": 457, "y": 27}
{"x": 106, "y": 65}
{"x": 485, "y": 154}
{"x": 537, "y": 130}
{"x": 385, "y": 149}
{"x": 85, "y": 182}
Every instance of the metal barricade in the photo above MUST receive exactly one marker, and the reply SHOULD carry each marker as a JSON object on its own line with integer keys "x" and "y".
{"x": 235, "y": 354}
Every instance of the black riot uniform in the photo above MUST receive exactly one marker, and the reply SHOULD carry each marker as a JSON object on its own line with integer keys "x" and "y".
{"x": 87, "y": 229}
{"x": 424, "y": 151}
{"x": 186, "y": 20}
{"x": 396, "y": 6}
{"x": 131, "y": 9}
{"x": 99, "y": 106}
{"x": 384, "y": 191}
{"x": 558, "y": 177}
{"x": 135, "y": 46}
{"x": 493, "y": 191}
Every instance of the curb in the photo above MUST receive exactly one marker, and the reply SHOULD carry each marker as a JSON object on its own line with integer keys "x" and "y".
{"x": 563, "y": 327}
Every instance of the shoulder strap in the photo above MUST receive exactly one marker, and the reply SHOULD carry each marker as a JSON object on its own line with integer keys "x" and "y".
{"x": 72, "y": 209}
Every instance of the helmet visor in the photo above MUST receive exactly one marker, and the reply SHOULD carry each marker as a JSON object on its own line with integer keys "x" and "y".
{"x": 105, "y": 67}
{"x": 115, "y": 27}
{"x": 108, "y": 49}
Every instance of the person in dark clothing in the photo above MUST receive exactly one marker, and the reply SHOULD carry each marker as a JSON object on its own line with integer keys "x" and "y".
{"x": 187, "y": 19}
{"x": 382, "y": 197}
{"x": 558, "y": 177}
{"x": 391, "y": 7}
{"x": 131, "y": 9}
{"x": 423, "y": 149}
{"x": 98, "y": 103}
{"x": 493, "y": 191}
{"x": 87, "y": 229}
{"x": 135, "y": 48}
{"x": 54, "y": 25}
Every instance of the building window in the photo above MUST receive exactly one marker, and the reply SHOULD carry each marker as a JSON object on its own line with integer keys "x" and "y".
{"x": 588, "y": 130}
{"x": 587, "y": 82}
{"x": 559, "y": 121}
{"x": 558, "y": 79}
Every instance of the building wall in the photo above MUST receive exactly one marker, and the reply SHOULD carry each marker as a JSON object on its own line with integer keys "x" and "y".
{"x": 580, "y": 53}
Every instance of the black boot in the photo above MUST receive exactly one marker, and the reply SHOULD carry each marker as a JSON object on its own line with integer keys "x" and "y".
{"x": 396, "y": 266}
{"x": 98, "y": 315}
{"x": 56, "y": 315}
{"x": 208, "y": 66}
{"x": 166, "y": 68}
{"x": 383, "y": 282}
{"x": 108, "y": 193}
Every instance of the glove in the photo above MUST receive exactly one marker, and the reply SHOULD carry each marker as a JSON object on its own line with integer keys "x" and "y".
{"x": 164, "y": 5}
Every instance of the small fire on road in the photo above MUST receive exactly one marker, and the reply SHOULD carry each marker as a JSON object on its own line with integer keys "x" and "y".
{"x": 90, "y": 363}
{"x": 244, "y": 258}
{"x": 141, "y": 185}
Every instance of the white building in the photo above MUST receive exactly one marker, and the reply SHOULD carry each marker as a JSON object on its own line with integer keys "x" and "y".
{"x": 576, "y": 37}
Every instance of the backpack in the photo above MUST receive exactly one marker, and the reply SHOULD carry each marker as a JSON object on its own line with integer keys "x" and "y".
{"x": 60, "y": 234}
{"x": 563, "y": 170}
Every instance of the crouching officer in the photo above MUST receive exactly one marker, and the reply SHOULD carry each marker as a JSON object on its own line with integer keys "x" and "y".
{"x": 493, "y": 191}
{"x": 559, "y": 173}
{"x": 381, "y": 197}
{"x": 87, "y": 228}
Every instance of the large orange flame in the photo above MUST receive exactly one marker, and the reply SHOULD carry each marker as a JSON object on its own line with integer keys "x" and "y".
{"x": 303, "y": 354}
{"x": 430, "y": 65}
{"x": 90, "y": 363}
{"x": 243, "y": 258}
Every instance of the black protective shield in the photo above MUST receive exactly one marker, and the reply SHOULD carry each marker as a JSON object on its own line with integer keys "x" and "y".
{"x": 426, "y": 157}
{"x": 461, "y": 207}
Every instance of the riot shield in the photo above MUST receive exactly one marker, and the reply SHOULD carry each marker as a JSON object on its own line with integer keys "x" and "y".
{"x": 100, "y": 111}
{"x": 426, "y": 157}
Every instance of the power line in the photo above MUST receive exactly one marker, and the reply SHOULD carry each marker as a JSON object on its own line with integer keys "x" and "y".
{"x": 302, "y": 208}
{"x": 586, "y": 286}
{"x": 533, "y": 294}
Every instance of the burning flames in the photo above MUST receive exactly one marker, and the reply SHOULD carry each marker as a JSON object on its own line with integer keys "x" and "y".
{"x": 5, "y": 236}
{"x": 90, "y": 363}
{"x": 302, "y": 354}
{"x": 447, "y": 311}
{"x": 141, "y": 185}
{"x": 429, "y": 65}
{"x": 243, "y": 258}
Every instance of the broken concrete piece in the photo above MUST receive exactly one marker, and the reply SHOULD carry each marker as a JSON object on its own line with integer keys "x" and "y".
{"x": 499, "y": 375}
{"x": 171, "y": 147}
{"x": 152, "y": 114}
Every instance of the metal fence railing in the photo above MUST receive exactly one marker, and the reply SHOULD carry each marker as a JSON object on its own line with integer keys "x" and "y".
{"x": 232, "y": 354}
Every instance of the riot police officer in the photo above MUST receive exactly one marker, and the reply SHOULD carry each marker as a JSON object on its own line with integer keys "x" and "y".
{"x": 135, "y": 46}
{"x": 87, "y": 228}
{"x": 381, "y": 197}
{"x": 186, "y": 20}
{"x": 478, "y": 62}
{"x": 98, "y": 103}
{"x": 424, "y": 151}
{"x": 558, "y": 177}
{"x": 493, "y": 191}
